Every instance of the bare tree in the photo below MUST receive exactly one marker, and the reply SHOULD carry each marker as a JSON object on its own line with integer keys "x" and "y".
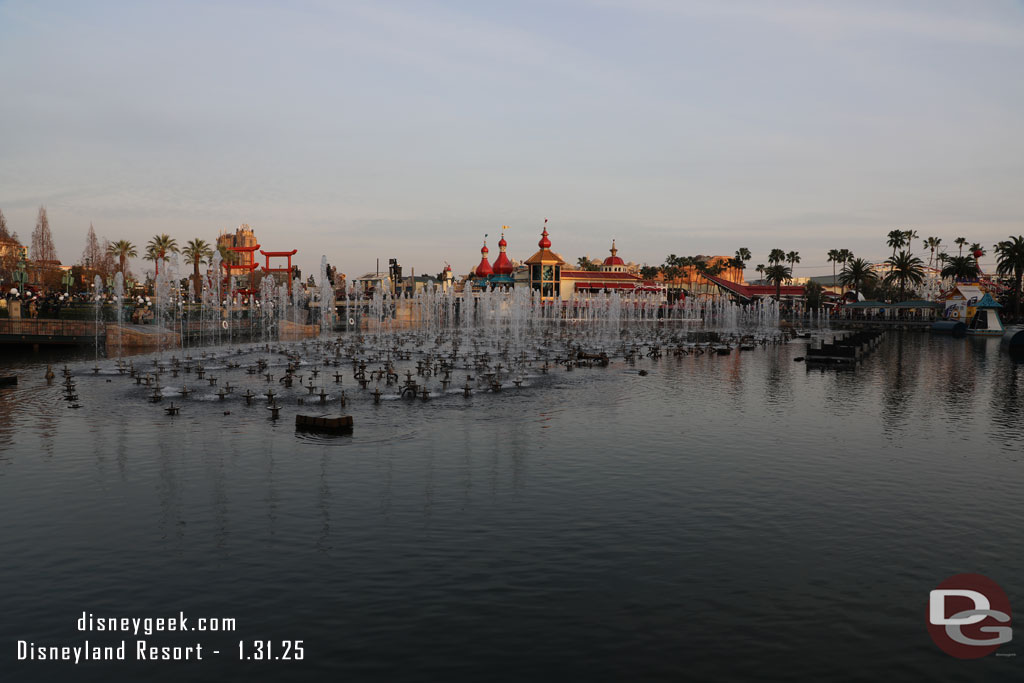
{"x": 92, "y": 255}
{"x": 42, "y": 241}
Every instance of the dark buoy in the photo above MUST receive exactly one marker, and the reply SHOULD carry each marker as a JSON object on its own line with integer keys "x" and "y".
{"x": 643, "y": 373}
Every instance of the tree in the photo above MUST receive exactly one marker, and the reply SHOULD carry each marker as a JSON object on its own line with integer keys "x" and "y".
{"x": 760, "y": 270}
{"x": 42, "y": 241}
{"x": 908, "y": 238}
{"x": 813, "y": 294}
{"x": 960, "y": 268}
{"x": 833, "y": 258}
{"x": 196, "y": 252}
{"x": 903, "y": 269}
{"x": 743, "y": 254}
{"x": 161, "y": 245}
{"x": 778, "y": 274}
{"x": 123, "y": 250}
{"x": 897, "y": 238}
{"x": 932, "y": 243}
{"x": 977, "y": 251}
{"x": 1010, "y": 261}
{"x": 960, "y": 242}
{"x": 585, "y": 263}
{"x": 10, "y": 251}
{"x": 776, "y": 256}
{"x": 92, "y": 255}
{"x": 793, "y": 258}
{"x": 649, "y": 272}
{"x": 856, "y": 274}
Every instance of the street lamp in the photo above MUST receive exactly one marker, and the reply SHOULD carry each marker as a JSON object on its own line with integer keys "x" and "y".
{"x": 67, "y": 279}
{"x": 21, "y": 274}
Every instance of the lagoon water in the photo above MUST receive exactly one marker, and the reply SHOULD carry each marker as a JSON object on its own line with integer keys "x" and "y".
{"x": 734, "y": 517}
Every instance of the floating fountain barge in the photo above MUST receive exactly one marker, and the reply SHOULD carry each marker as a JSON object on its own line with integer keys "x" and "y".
{"x": 845, "y": 350}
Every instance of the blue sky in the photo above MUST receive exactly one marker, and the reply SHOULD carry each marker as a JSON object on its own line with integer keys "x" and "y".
{"x": 410, "y": 129}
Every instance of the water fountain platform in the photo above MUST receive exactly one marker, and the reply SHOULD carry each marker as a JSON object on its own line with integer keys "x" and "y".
{"x": 325, "y": 423}
{"x": 140, "y": 336}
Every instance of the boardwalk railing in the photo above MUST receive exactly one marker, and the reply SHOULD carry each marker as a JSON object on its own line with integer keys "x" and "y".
{"x": 44, "y": 330}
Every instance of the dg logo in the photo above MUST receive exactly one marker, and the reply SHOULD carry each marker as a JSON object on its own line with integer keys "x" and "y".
{"x": 969, "y": 616}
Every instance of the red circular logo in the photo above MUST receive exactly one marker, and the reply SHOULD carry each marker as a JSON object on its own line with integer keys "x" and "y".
{"x": 968, "y": 616}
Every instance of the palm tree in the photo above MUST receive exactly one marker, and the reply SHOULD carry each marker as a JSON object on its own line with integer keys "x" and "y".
{"x": 743, "y": 254}
{"x": 778, "y": 273}
{"x": 123, "y": 250}
{"x": 776, "y": 256}
{"x": 908, "y": 238}
{"x": 932, "y": 243}
{"x": 845, "y": 256}
{"x": 1010, "y": 260}
{"x": 977, "y": 251}
{"x": 195, "y": 253}
{"x": 960, "y": 268}
{"x": 833, "y": 258}
{"x": 793, "y": 258}
{"x": 161, "y": 245}
{"x": 960, "y": 242}
{"x": 905, "y": 268}
{"x": 897, "y": 238}
{"x": 856, "y": 273}
{"x": 760, "y": 271}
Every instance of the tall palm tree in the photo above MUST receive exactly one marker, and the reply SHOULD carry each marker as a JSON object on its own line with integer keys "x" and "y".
{"x": 960, "y": 268}
{"x": 960, "y": 242}
{"x": 897, "y": 238}
{"x": 776, "y": 256}
{"x": 760, "y": 271}
{"x": 161, "y": 245}
{"x": 1010, "y": 261}
{"x": 856, "y": 273}
{"x": 793, "y": 258}
{"x": 123, "y": 250}
{"x": 977, "y": 251}
{"x": 196, "y": 252}
{"x": 903, "y": 269}
{"x": 778, "y": 274}
{"x": 743, "y": 254}
{"x": 908, "y": 238}
{"x": 932, "y": 243}
{"x": 833, "y": 258}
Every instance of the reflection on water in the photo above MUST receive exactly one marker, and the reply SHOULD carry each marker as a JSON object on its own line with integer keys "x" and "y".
{"x": 739, "y": 516}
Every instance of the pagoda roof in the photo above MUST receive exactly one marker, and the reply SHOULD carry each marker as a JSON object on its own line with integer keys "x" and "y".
{"x": 546, "y": 257}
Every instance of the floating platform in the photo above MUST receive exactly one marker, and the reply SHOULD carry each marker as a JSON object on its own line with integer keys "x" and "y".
{"x": 1013, "y": 339}
{"x": 845, "y": 351}
{"x": 953, "y": 327}
{"x": 338, "y": 424}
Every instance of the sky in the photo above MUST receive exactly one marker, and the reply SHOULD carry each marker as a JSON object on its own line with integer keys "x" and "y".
{"x": 410, "y": 129}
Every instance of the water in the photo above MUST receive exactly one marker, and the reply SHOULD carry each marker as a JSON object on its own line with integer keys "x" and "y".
{"x": 730, "y": 517}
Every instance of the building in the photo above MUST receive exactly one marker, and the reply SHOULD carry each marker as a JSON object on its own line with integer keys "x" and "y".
{"x": 242, "y": 238}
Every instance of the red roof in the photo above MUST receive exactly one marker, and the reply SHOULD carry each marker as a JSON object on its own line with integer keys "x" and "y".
{"x": 484, "y": 269}
{"x": 598, "y": 275}
{"x": 502, "y": 266}
{"x": 751, "y": 291}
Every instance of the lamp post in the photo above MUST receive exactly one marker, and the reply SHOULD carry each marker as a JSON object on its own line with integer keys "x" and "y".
{"x": 67, "y": 279}
{"x": 21, "y": 274}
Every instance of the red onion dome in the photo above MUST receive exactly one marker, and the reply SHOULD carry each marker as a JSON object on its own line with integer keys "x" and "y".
{"x": 502, "y": 266}
{"x": 484, "y": 269}
{"x": 978, "y": 253}
{"x": 544, "y": 243}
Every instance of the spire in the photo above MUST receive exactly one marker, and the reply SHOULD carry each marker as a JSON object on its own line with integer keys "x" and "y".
{"x": 484, "y": 268}
{"x": 544, "y": 243}
{"x": 502, "y": 266}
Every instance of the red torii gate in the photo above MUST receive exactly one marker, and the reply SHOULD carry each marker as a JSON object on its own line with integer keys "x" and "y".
{"x": 249, "y": 266}
{"x": 280, "y": 254}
